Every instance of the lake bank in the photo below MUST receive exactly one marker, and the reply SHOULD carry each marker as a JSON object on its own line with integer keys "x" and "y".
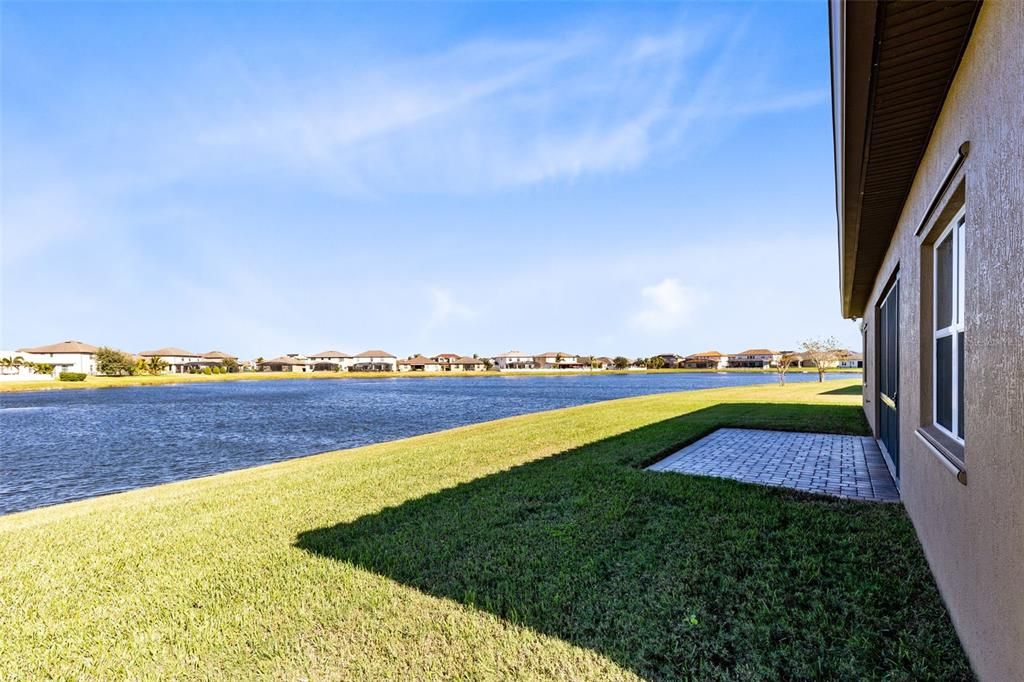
{"x": 167, "y": 379}
{"x": 66, "y": 445}
{"x": 529, "y": 547}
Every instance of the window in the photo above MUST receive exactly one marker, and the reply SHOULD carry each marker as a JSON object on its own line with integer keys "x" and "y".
{"x": 948, "y": 342}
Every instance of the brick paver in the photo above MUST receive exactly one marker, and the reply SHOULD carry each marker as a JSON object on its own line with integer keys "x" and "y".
{"x": 844, "y": 466}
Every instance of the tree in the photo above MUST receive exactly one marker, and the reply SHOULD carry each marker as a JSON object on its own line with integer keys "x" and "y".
{"x": 488, "y": 364}
{"x": 655, "y": 362}
{"x": 785, "y": 362}
{"x": 41, "y": 367}
{"x": 113, "y": 362}
{"x": 231, "y": 365}
{"x": 822, "y": 353}
{"x": 620, "y": 362}
{"x": 155, "y": 365}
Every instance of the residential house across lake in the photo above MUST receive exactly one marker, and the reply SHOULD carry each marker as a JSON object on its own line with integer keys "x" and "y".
{"x": 285, "y": 363}
{"x": 755, "y": 358}
{"x": 375, "y": 361}
{"x": 419, "y": 363}
{"x": 330, "y": 361}
{"x": 514, "y": 359}
{"x": 70, "y": 356}
{"x": 709, "y": 359}
{"x": 177, "y": 360}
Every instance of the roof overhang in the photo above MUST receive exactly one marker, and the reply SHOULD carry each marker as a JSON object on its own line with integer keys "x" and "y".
{"x": 893, "y": 62}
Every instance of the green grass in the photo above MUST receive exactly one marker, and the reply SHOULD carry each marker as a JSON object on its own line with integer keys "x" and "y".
{"x": 530, "y": 547}
{"x": 92, "y": 381}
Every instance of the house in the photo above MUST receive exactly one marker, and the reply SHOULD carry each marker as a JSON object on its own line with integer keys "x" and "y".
{"x": 755, "y": 358}
{"x": 178, "y": 360}
{"x": 671, "y": 360}
{"x": 329, "y": 361}
{"x": 285, "y": 363}
{"x": 445, "y": 360}
{"x": 418, "y": 363}
{"x": 709, "y": 359}
{"x": 468, "y": 364}
{"x": 74, "y": 356}
{"x": 514, "y": 359}
{"x": 24, "y": 366}
{"x": 600, "y": 363}
{"x": 928, "y": 113}
{"x": 215, "y": 358}
{"x": 556, "y": 360}
{"x": 374, "y": 361}
{"x": 850, "y": 360}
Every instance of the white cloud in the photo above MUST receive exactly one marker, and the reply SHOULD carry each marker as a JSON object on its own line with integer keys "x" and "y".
{"x": 445, "y": 308}
{"x": 668, "y": 306}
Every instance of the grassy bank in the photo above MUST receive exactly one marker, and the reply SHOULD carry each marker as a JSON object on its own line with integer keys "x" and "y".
{"x": 530, "y": 547}
{"x": 164, "y": 379}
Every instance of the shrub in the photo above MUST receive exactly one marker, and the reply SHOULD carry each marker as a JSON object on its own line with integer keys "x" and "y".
{"x": 72, "y": 376}
{"x": 207, "y": 370}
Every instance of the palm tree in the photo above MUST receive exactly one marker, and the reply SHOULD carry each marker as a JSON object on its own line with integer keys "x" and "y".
{"x": 155, "y": 365}
{"x": 5, "y": 364}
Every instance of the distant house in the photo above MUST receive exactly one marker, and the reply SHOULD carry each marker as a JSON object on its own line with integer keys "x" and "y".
{"x": 601, "y": 363}
{"x": 671, "y": 360}
{"x": 468, "y": 364}
{"x": 514, "y": 359}
{"x": 329, "y": 361}
{"x": 74, "y": 356}
{"x": 557, "y": 360}
{"x": 418, "y": 363}
{"x": 709, "y": 359}
{"x": 285, "y": 363}
{"x": 755, "y": 358}
{"x": 22, "y": 366}
{"x": 374, "y": 361}
{"x": 445, "y": 360}
{"x": 178, "y": 360}
{"x": 851, "y": 360}
{"x": 215, "y": 358}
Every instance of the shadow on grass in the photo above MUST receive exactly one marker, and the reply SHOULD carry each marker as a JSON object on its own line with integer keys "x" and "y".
{"x": 669, "y": 575}
{"x": 855, "y": 389}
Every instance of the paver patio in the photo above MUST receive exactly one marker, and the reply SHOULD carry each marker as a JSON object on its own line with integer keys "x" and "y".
{"x": 844, "y": 466}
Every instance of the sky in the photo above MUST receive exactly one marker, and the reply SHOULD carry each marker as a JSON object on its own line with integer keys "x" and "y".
{"x": 423, "y": 178}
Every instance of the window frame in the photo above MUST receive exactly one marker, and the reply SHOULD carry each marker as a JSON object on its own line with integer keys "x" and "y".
{"x": 954, "y": 231}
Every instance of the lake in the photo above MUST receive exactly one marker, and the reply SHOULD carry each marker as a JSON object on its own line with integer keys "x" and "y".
{"x": 67, "y": 445}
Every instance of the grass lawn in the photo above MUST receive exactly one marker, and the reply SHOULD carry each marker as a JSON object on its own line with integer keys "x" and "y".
{"x": 530, "y": 547}
{"x": 159, "y": 379}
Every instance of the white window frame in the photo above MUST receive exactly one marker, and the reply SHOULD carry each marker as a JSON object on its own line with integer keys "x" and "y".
{"x": 954, "y": 231}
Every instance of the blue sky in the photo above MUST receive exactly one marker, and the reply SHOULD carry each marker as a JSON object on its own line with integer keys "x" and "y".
{"x": 269, "y": 178}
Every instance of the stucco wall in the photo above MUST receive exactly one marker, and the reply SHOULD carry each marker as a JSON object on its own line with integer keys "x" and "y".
{"x": 973, "y": 534}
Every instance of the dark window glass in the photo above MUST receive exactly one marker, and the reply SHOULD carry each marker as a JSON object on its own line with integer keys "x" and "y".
{"x": 944, "y": 284}
{"x": 944, "y": 381}
{"x": 960, "y": 385}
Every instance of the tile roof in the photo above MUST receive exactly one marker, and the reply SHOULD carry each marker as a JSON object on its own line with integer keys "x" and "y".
{"x": 62, "y": 347}
{"x": 375, "y": 354}
{"x": 164, "y": 352}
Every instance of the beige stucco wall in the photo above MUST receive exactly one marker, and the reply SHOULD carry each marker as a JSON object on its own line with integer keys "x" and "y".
{"x": 973, "y": 534}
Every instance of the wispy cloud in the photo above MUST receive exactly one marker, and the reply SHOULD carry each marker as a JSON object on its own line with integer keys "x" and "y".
{"x": 484, "y": 115}
{"x": 444, "y": 308}
{"x": 668, "y": 305}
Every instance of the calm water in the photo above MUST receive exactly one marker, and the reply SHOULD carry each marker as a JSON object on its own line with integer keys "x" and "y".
{"x": 66, "y": 445}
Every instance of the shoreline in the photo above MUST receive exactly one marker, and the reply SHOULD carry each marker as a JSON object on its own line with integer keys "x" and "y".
{"x": 103, "y": 382}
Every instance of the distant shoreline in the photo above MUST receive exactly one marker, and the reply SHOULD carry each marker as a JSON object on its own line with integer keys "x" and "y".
{"x": 97, "y": 382}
